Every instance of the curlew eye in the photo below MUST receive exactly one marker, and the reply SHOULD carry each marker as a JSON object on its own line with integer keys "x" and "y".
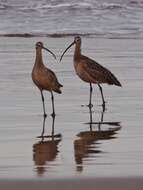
{"x": 77, "y": 39}
{"x": 39, "y": 44}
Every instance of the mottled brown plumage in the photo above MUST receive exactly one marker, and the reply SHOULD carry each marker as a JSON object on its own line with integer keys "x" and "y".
{"x": 90, "y": 71}
{"x": 44, "y": 78}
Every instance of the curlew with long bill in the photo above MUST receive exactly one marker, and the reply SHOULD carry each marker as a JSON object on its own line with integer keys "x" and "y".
{"x": 44, "y": 78}
{"x": 90, "y": 71}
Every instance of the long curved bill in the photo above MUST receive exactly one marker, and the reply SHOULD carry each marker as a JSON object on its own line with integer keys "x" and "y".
{"x": 50, "y": 52}
{"x": 66, "y": 50}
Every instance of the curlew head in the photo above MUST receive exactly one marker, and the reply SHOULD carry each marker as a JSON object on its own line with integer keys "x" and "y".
{"x": 77, "y": 41}
{"x": 39, "y": 45}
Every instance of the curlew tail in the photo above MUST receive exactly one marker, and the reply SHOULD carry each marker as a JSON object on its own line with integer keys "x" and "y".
{"x": 58, "y": 90}
{"x": 112, "y": 80}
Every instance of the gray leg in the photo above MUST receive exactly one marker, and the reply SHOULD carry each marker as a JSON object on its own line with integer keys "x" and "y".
{"x": 90, "y": 97}
{"x": 91, "y": 122}
{"x": 101, "y": 91}
{"x": 52, "y": 97}
{"x": 53, "y": 125}
{"x": 43, "y": 131}
{"x": 45, "y": 115}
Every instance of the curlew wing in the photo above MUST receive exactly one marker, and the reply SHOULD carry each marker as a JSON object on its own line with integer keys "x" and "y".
{"x": 97, "y": 72}
{"x": 53, "y": 78}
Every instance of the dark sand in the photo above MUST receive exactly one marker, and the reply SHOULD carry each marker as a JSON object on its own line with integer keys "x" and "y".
{"x": 77, "y": 184}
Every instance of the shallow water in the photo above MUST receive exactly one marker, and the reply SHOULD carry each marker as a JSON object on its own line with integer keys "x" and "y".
{"x": 114, "y": 145}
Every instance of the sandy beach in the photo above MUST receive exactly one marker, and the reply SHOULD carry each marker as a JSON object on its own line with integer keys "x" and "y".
{"x": 111, "y": 159}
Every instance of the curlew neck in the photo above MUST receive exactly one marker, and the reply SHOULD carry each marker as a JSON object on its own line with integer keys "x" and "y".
{"x": 77, "y": 52}
{"x": 39, "y": 59}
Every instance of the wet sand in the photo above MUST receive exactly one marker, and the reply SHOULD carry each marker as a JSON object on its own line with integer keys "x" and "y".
{"x": 77, "y": 184}
{"x": 114, "y": 146}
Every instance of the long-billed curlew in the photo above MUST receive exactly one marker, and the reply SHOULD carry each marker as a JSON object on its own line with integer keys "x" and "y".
{"x": 90, "y": 71}
{"x": 44, "y": 78}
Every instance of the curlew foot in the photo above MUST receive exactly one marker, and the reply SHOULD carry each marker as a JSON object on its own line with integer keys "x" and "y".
{"x": 44, "y": 115}
{"x": 53, "y": 114}
{"x": 90, "y": 105}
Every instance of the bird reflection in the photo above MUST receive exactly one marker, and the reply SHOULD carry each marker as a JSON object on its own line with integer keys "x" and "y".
{"x": 46, "y": 149}
{"x": 88, "y": 142}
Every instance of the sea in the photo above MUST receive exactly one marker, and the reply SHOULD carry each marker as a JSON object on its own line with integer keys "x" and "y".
{"x": 98, "y": 18}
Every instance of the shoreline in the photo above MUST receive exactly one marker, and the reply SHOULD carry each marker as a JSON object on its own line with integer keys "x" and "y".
{"x": 53, "y": 35}
{"x": 62, "y": 35}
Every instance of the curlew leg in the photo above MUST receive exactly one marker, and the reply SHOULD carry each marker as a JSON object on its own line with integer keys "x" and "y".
{"x": 52, "y": 97}
{"x": 91, "y": 121}
{"x": 53, "y": 125}
{"x": 90, "y": 97}
{"x": 45, "y": 115}
{"x": 101, "y": 91}
{"x": 43, "y": 131}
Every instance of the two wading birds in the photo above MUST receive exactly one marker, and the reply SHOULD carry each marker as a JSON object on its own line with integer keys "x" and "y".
{"x": 87, "y": 69}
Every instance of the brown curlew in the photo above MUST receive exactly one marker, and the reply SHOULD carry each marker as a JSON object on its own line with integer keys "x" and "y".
{"x": 44, "y": 78}
{"x": 90, "y": 71}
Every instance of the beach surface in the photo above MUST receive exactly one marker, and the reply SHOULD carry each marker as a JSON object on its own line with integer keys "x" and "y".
{"x": 111, "y": 152}
{"x": 77, "y": 184}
